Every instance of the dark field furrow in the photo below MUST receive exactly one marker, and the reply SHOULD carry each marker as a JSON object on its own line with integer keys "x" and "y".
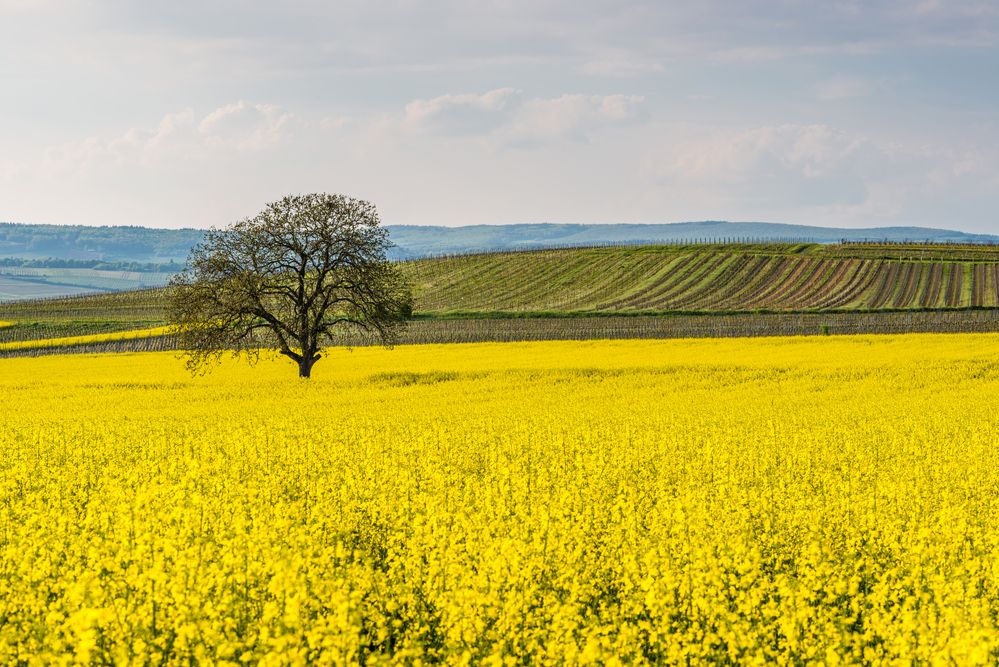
{"x": 861, "y": 282}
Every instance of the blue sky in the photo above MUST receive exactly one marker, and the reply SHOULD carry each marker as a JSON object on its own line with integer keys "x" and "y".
{"x": 197, "y": 113}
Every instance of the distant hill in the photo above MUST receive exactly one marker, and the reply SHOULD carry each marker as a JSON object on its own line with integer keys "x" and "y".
{"x": 96, "y": 244}
{"x": 413, "y": 241}
{"x": 90, "y": 247}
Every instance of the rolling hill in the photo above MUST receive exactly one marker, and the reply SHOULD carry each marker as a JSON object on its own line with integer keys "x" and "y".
{"x": 618, "y": 292}
{"x": 653, "y": 279}
{"x": 39, "y": 261}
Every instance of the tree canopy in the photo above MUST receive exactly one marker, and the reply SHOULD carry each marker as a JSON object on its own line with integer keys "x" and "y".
{"x": 305, "y": 270}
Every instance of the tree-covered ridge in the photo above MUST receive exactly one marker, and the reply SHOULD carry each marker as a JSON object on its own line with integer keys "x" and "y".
{"x": 108, "y": 244}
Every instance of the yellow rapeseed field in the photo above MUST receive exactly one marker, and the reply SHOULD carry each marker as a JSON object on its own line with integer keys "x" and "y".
{"x": 67, "y": 341}
{"x": 828, "y": 499}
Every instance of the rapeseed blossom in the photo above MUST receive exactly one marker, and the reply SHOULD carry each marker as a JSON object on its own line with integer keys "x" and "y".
{"x": 810, "y": 500}
{"x": 68, "y": 341}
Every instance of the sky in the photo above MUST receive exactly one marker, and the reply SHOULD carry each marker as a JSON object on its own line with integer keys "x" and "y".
{"x": 197, "y": 113}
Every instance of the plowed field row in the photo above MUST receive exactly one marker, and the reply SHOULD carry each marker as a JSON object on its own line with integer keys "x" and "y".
{"x": 705, "y": 281}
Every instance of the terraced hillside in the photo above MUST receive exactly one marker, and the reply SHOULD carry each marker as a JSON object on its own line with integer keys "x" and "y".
{"x": 708, "y": 279}
{"x": 613, "y": 282}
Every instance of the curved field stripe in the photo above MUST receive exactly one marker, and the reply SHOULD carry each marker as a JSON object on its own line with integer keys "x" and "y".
{"x": 672, "y": 272}
{"x": 567, "y": 284}
{"x": 567, "y": 281}
{"x": 81, "y": 340}
{"x": 644, "y": 273}
{"x": 484, "y": 283}
{"x": 901, "y": 281}
{"x": 837, "y": 281}
{"x": 672, "y": 294}
{"x": 798, "y": 267}
{"x": 4, "y": 323}
{"x": 625, "y": 291}
{"x": 533, "y": 289}
{"x": 509, "y": 287}
{"x": 433, "y": 277}
{"x": 840, "y": 276}
{"x": 753, "y": 277}
{"x": 967, "y": 284}
{"x": 769, "y": 282}
{"x": 719, "y": 279}
{"x": 573, "y": 287}
{"x": 932, "y": 293}
{"x": 925, "y": 272}
{"x": 874, "y": 286}
{"x": 684, "y": 295}
{"x": 773, "y": 280}
{"x": 727, "y": 273}
{"x": 489, "y": 282}
{"x": 781, "y": 298}
{"x": 595, "y": 281}
{"x": 907, "y": 287}
{"x": 805, "y": 293}
{"x": 748, "y": 273}
{"x": 679, "y": 275}
{"x": 665, "y": 282}
{"x": 582, "y": 286}
{"x": 978, "y": 285}
{"x": 443, "y": 289}
{"x": 612, "y": 284}
{"x": 755, "y": 272}
{"x": 858, "y": 285}
{"x": 884, "y": 290}
{"x": 955, "y": 279}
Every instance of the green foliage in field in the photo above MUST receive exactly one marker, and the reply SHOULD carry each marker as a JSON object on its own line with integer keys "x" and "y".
{"x": 641, "y": 281}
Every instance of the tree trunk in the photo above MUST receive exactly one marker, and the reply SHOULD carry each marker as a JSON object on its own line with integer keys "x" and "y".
{"x": 305, "y": 367}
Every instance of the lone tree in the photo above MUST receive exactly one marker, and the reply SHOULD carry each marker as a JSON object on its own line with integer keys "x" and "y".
{"x": 304, "y": 271}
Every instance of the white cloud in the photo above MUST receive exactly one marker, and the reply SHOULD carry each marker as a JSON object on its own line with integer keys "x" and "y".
{"x": 504, "y": 118}
{"x": 768, "y": 170}
{"x": 468, "y": 113}
{"x": 235, "y": 128}
{"x": 821, "y": 174}
{"x": 245, "y": 127}
{"x": 569, "y": 117}
{"x": 808, "y": 151}
{"x": 188, "y": 169}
